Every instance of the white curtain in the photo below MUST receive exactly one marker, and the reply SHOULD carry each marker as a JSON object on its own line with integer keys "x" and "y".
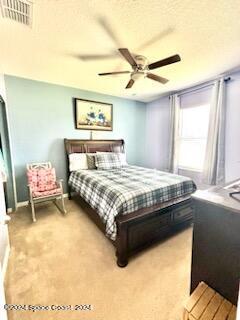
{"x": 174, "y": 125}
{"x": 214, "y": 164}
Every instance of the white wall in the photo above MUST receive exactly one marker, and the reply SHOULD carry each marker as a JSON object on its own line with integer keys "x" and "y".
{"x": 158, "y": 130}
{"x": 233, "y": 129}
{"x": 11, "y": 186}
{"x": 4, "y": 239}
{"x": 4, "y": 242}
{"x": 2, "y": 87}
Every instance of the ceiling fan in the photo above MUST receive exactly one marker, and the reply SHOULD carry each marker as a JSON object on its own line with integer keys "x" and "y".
{"x": 141, "y": 67}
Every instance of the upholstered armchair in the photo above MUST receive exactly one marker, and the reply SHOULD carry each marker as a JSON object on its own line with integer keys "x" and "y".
{"x": 43, "y": 186}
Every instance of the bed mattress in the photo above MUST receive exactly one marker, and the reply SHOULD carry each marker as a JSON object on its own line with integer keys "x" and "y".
{"x": 125, "y": 190}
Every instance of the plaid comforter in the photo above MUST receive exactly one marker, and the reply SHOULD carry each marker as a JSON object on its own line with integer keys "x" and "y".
{"x": 121, "y": 191}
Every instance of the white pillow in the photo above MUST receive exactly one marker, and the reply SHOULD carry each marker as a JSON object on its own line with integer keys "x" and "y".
{"x": 123, "y": 157}
{"x": 77, "y": 161}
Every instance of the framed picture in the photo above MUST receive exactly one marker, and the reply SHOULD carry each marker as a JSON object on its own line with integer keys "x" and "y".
{"x": 93, "y": 115}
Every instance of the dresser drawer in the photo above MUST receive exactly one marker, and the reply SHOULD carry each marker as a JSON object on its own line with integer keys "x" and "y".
{"x": 157, "y": 225}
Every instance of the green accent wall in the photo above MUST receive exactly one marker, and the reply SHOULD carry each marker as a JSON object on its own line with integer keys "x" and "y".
{"x": 41, "y": 115}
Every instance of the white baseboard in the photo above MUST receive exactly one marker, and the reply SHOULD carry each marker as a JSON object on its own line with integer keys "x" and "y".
{"x": 5, "y": 261}
{"x": 22, "y": 204}
{"x": 25, "y": 203}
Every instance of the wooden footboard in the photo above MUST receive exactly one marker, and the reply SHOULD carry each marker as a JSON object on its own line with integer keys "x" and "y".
{"x": 140, "y": 229}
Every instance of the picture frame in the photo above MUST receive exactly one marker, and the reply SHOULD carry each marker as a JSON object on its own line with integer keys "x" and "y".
{"x": 93, "y": 115}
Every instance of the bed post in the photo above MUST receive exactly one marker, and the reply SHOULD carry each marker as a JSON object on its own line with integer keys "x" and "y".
{"x": 121, "y": 244}
{"x": 69, "y": 193}
{"x": 67, "y": 167}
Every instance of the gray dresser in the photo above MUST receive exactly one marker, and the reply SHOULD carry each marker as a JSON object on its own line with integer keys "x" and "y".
{"x": 216, "y": 242}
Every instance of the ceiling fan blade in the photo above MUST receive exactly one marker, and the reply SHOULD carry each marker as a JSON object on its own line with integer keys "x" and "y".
{"x": 127, "y": 55}
{"x": 164, "y": 62}
{"x": 107, "y": 27}
{"x": 89, "y": 57}
{"x": 157, "y": 78}
{"x": 156, "y": 38}
{"x": 112, "y": 73}
{"x": 130, "y": 84}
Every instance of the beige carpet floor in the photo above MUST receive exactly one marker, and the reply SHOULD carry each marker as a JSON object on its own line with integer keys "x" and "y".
{"x": 66, "y": 260}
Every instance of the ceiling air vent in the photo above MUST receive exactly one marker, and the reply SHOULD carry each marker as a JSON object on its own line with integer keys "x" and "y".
{"x": 17, "y": 10}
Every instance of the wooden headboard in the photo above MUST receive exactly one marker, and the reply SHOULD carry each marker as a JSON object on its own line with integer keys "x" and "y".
{"x": 92, "y": 146}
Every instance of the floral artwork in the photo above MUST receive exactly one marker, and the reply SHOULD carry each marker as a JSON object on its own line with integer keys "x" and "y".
{"x": 93, "y": 115}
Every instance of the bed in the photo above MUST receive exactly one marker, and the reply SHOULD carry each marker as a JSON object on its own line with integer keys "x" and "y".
{"x": 133, "y": 206}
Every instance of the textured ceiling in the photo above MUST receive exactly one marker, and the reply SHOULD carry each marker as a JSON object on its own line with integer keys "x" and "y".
{"x": 205, "y": 33}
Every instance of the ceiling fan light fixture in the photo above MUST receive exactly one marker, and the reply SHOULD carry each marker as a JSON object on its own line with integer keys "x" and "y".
{"x": 141, "y": 61}
{"x": 137, "y": 75}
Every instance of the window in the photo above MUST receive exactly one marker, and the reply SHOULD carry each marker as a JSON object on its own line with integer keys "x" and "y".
{"x": 193, "y": 131}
